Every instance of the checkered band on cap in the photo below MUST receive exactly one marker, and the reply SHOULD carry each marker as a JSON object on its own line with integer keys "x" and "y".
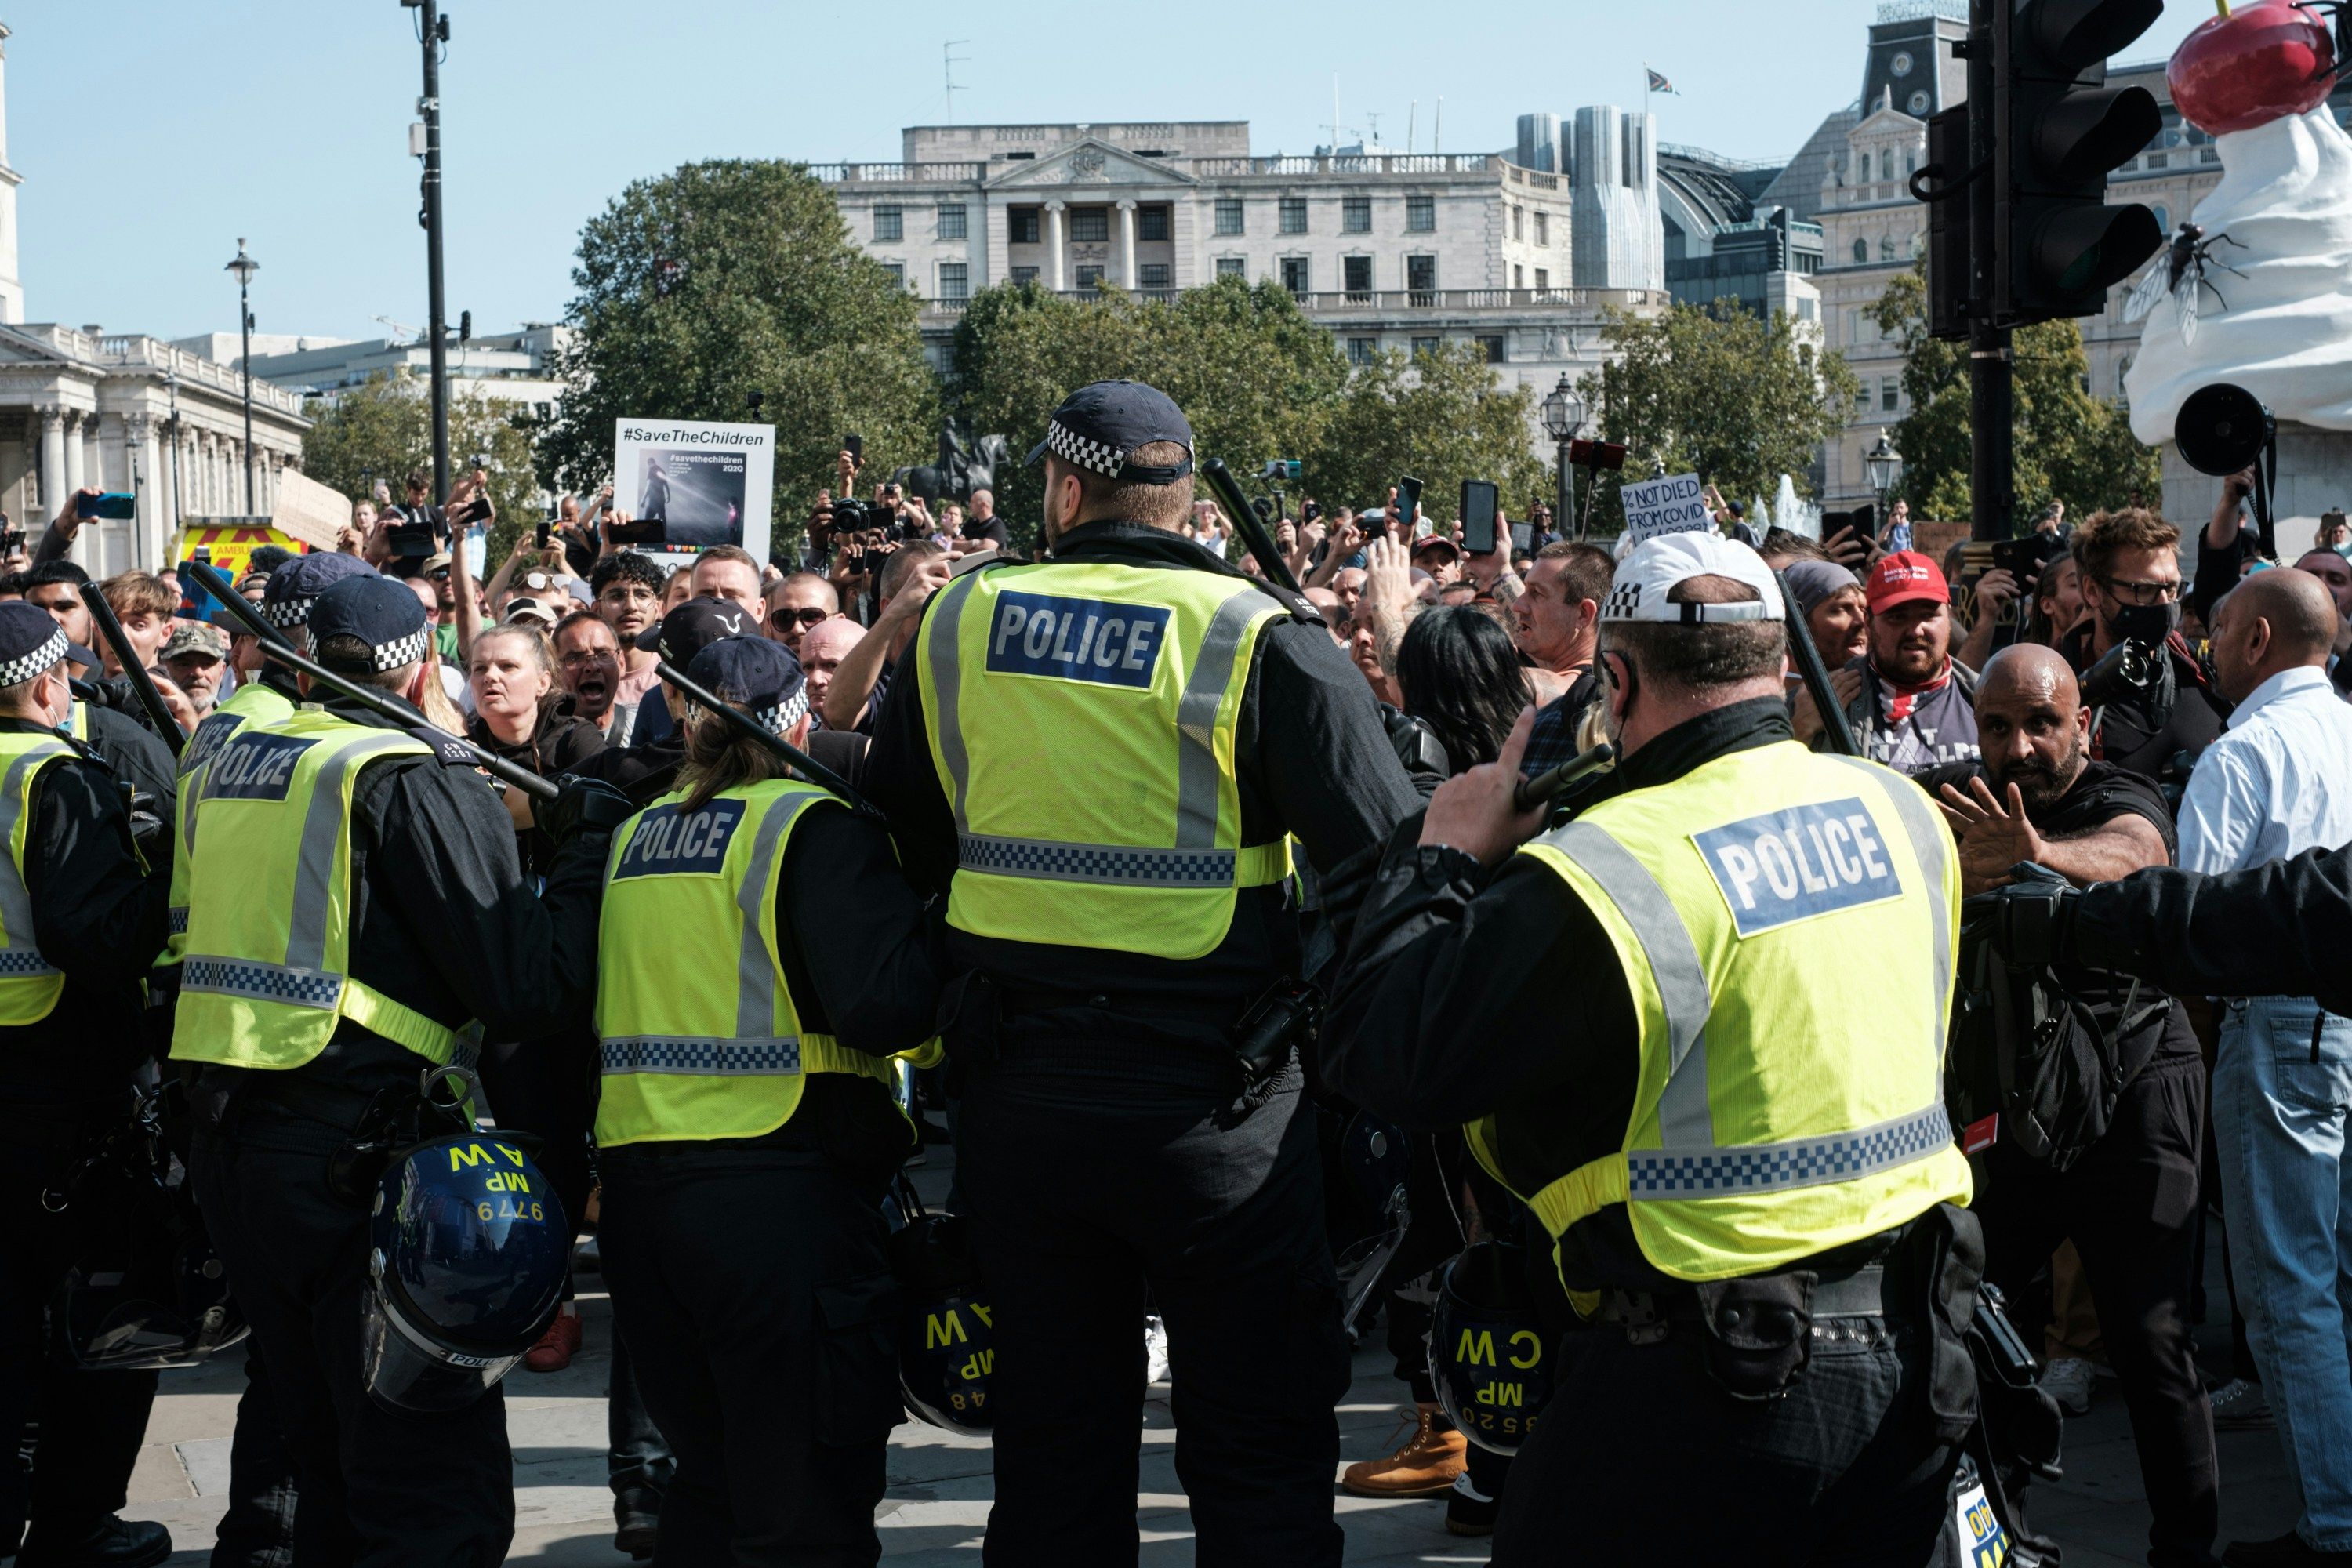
{"x": 1086, "y": 452}
{"x": 780, "y": 718}
{"x": 1623, "y": 603}
{"x": 402, "y": 651}
{"x": 25, "y": 666}
{"x": 293, "y": 611}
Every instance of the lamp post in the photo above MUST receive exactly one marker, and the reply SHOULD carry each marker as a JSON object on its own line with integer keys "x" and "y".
{"x": 244, "y": 266}
{"x": 1563, "y": 417}
{"x": 179, "y": 489}
{"x": 1884, "y": 464}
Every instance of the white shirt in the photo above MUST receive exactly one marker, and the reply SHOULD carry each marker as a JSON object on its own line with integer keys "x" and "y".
{"x": 2278, "y": 783}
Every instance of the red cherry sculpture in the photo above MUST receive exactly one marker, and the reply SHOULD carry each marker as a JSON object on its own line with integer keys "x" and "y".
{"x": 2250, "y": 66}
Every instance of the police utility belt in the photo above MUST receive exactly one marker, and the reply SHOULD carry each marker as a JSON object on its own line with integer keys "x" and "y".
{"x": 1729, "y": 1307}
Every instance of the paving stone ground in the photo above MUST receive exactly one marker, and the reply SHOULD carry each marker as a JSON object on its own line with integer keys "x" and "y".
{"x": 940, "y": 1482}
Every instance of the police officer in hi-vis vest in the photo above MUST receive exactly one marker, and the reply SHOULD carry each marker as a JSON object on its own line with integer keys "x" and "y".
{"x": 1101, "y": 760}
{"x": 762, "y": 959}
{"x": 1700, "y": 1030}
{"x": 81, "y": 916}
{"x": 355, "y": 904}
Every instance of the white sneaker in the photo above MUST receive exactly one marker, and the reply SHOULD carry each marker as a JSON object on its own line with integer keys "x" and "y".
{"x": 1155, "y": 1350}
{"x": 2069, "y": 1383}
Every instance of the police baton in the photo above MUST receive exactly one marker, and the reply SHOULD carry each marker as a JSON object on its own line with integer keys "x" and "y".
{"x": 158, "y": 714}
{"x": 446, "y": 746}
{"x": 1248, "y": 524}
{"x": 1545, "y": 787}
{"x": 743, "y": 724}
{"x": 1815, "y": 673}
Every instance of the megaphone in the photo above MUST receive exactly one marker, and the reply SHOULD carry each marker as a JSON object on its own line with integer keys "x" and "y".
{"x": 2224, "y": 429}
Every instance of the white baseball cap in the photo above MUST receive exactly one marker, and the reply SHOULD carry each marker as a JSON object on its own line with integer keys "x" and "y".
{"x": 1653, "y": 568}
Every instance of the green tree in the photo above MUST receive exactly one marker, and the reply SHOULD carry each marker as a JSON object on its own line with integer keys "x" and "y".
{"x": 1733, "y": 398}
{"x": 2070, "y": 445}
{"x": 723, "y": 279}
{"x": 1438, "y": 415}
{"x": 382, "y": 429}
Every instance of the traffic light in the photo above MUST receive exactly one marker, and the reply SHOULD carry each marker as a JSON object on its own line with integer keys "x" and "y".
{"x": 2058, "y": 130}
{"x": 1950, "y": 306}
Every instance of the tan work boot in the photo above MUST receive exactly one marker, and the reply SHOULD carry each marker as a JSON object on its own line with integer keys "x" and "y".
{"x": 1424, "y": 1467}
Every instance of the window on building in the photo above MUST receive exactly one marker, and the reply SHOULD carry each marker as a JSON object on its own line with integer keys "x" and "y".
{"x": 897, "y": 271}
{"x": 1861, "y": 251}
{"x": 1228, "y": 215}
{"x": 1543, "y": 277}
{"x": 955, "y": 280}
{"x": 951, "y": 221}
{"x": 1886, "y": 163}
{"x": 1421, "y": 274}
{"x": 2163, "y": 218}
{"x": 1890, "y": 395}
{"x": 1518, "y": 222}
{"x": 1293, "y": 214}
{"x": 1518, "y": 275}
{"x": 1294, "y": 274}
{"x": 889, "y": 225}
{"x": 1089, "y": 274}
{"x": 1355, "y": 214}
{"x": 1356, "y": 274}
{"x": 1231, "y": 266}
{"x": 1425, "y": 345}
{"x": 1360, "y": 351}
{"x": 1090, "y": 225}
{"x": 1020, "y": 226}
{"x": 1809, "y": 310}
{"x": 1420, "y": 214}
{"x": 1154, "y": 274}
{"x": 1491, "y": 344}
{"x": 1151, "y": 222}
{"x": 1025, "y": 274}
{"x": 1543, "y": 228}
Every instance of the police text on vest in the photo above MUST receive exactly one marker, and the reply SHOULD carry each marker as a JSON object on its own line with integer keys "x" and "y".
{"x": 1076, "y": 639}
{"x": 1793, "y": 865}
{"x": 256, "y": 767}
{"x": 669, "y": 842}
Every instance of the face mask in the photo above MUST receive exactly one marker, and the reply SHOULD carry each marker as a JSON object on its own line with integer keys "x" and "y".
{"x": 2150, "y": 623}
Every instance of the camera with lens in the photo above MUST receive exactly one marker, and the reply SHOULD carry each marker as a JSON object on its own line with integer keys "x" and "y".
{"x": 412, "y": 541}
{"x": 2126, "y": 670}
{"x": 2023, "y": 559}
{"x": 851, "y": 515}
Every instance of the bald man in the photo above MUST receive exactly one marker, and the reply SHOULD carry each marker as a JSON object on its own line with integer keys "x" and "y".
{"x": 2128, "y": 1198}
{"x": 822, "y": 648}
{"x": 2335, "y": 573}
{"x": 2279, "y": 782}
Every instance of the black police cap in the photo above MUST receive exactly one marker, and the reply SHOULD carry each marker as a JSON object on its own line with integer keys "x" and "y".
{"x": 382, "y": 612}
{"x": 762, "y": 678}
{"x": 31, "y": 642}
{"x": 1098, "y": 425}
{"x": 693, "y": 626}
{"x": 293, "y": 587}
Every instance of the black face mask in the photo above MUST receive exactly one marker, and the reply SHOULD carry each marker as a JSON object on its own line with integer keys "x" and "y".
{"x": 2149, "y": 624}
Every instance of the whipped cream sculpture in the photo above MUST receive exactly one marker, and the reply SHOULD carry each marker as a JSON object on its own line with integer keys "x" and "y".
{"x": 2257, "y": 287}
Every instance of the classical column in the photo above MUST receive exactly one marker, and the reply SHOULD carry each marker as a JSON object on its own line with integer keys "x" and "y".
{"x": 76, "y": 444}
{"x": 1126, "y": 277}
{"x": 165, "y": 481}
{"x": 152, "y": 551}
{"x": 53, "y": 460}
{"x": 1053, "y": 269}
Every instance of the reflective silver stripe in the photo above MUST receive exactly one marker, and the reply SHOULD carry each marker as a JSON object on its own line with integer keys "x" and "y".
{"x": 755, "y": 972}
{"x": 1106, "y": 865}
{"x": 318, "y": 864}
{"x": 943, "y": 630}
{"x": 189, "y": 800}
{"x": 262, "y": 982}
{"x": 20, "y": 953}
{"x": 703, "y": 1055}
{"x": 1928, "y": 843}
{"x": 1197, "y": 774}
{"x": 1800, "y": 1163}
{"x": 1685, "y": 1120}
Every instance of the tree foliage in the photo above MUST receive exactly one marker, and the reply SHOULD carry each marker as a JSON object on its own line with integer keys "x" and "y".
{"x": 731, "y": 276}
{"x": 2070, "y": 445}
{"x": 1257, "y": 379}
{"x": 1733, "y": 398}
{"x": 382, "y": 429}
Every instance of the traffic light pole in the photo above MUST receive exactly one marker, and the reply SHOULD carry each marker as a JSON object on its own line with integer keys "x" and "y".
{"x": 1992, "y": 422}
{"x": 436, "y": 306}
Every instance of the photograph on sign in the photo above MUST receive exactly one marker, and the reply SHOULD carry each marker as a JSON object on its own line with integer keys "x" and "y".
{"x": 689, "y": 484}
{"x": 1668, "y": 505}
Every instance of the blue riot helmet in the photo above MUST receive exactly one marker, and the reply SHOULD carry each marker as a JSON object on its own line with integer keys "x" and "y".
{"x": 469, "y": 1252}
{"x": 1487, "y": 1350}
{"x": 947, "y": 1338}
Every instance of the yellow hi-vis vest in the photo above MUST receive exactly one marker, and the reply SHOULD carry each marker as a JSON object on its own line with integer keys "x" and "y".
{"x": 1788, "y": 923}
{"x": 265, "y": 975}
{"x": 1082, "y": 723}
{"x": 29, "y": 988}
{"x": 700, "y": 1035}
{"x": 252, "y": 703}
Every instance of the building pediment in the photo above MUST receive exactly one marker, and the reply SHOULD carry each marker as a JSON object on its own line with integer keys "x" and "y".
{"x": 20, "y": 350}
{"x": 1088, "y": 162}
{"x": 1888, "y": 122}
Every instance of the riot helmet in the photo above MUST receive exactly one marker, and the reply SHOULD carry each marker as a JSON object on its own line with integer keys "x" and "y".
{"x": 947, "y": 1340}
{"x": 1487, "y": 1351}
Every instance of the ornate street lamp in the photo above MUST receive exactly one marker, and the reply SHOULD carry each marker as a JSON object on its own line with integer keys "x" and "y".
{"x": 244, "y": 266}
{"x": 1563, "y": 417}
{"x": 1884, "y": 464}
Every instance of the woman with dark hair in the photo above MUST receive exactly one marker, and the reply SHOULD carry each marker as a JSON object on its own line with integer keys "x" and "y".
{"x": 1460, "y": 678}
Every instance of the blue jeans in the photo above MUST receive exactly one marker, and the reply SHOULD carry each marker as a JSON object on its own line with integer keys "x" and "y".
{"x": 2282, "y": 1089}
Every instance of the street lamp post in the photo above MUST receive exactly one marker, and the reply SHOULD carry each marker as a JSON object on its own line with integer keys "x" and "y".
{"x": 179, "y": 488}
{"x": 433, "y": 34}
{"x": 244, "y": 266}
{"x": 1884, "y": 464}
{"x": 1563, "y": 417}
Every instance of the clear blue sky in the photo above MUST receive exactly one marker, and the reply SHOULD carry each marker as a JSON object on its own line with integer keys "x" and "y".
{"x": 151, "y": 133}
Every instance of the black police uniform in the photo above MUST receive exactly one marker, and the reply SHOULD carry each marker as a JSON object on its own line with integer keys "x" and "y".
{"x": 749, "y": 1274}
{"x": 1434, "y": 1027}
{"x": 443, "y": 922}
{"x": 1095, "y": 1146}
{"x": 99, "y": 917}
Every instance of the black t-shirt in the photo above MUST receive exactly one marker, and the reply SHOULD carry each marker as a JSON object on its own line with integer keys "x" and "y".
{"x": 991, "y": 529}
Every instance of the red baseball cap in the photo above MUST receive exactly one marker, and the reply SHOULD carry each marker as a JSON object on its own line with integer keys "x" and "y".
{"x": 1903, "y": 577}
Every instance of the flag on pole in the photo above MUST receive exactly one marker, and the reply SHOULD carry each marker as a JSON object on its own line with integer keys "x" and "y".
{"x": 1659, "y": 83}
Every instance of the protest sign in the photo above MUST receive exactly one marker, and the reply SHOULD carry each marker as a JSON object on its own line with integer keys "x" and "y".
{"x": 1669, "y": 505}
